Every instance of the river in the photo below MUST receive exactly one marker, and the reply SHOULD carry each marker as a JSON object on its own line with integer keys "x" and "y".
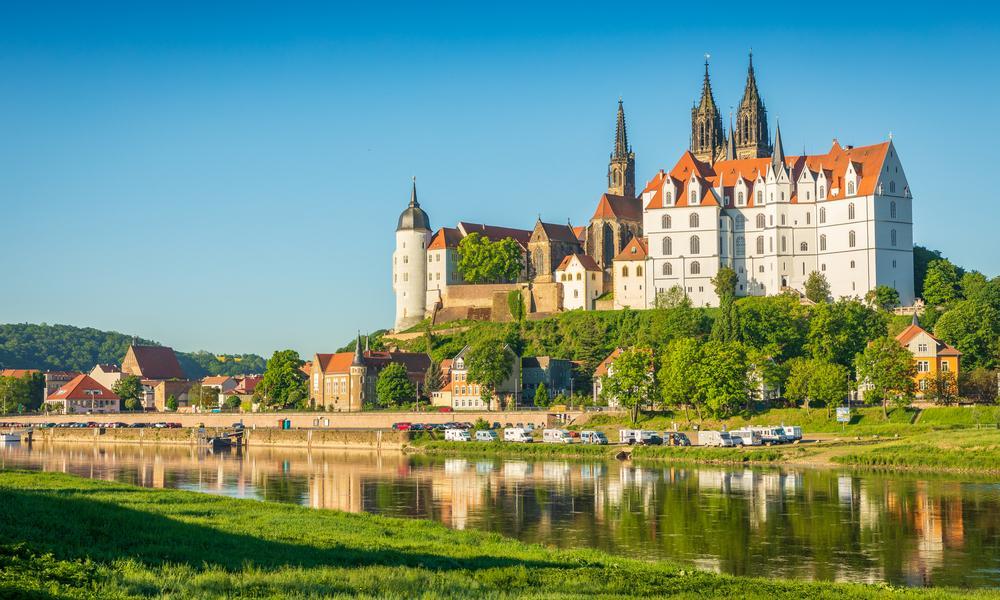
{"x": 817, "y": 524}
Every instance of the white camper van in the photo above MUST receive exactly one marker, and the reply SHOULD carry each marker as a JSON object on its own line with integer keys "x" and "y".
{"x": 556, "y": 436}
{"x": 715, "y": 438}
{"x": 516, "y": 434}
{"x": 643, "y": 437}
{"x": 457, "y": 435}
{"x": 593, "y": 437}
{"x": 794, "y": 432}
{"x": 745, "y": 437}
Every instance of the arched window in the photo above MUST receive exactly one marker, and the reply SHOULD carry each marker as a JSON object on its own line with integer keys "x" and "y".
{"x": 760, "y": 244}
{"x": 625, "y": 271}
{"x": 668, "y": 198}
{"x": 822, "y": 192}
{"x": 852, "y": 264}
{"x": 803, "y": 247}
{"x": 694, "y": 197}
{"x": 741, "y": 246}
{"x": 822, "y": 215}
{"x": 851, "y": 239}
{"x": 739, "y": 198}
{"x": 668, "y": 269}
{"x": 761, "y": 222}
{"x": 850, "y": 211}
{"x": 892, "y": 236}
{"x": 695, "y": 268}
{"x": 695, "y": 245}
{"x": 760, "y": 197}
{"x": 694, "y": 220}
{"x": 850, "y": 188}
{"x": 638, "y": 271}
{"x": 892, "y": 209}
{"x": 665, "y": 221}
{"x": 668, "y": 246}
{"x": 822, "y": 242}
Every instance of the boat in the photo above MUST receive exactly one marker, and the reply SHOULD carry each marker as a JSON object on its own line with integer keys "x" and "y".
{"x": 10, "y": 438}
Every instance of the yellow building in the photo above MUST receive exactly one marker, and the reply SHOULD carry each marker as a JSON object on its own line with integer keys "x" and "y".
{"x": 931, "y": 356}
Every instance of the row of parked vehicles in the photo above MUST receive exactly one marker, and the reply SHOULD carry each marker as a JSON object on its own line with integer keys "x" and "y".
{"x": 751, "y": 436}
{"x": 525, "y": 435}
{"x": 646, "y": 437}
{"x": 95, "y": 424}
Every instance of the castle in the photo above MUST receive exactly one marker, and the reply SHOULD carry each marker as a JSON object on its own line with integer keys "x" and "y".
{"x": 734, "y": 200}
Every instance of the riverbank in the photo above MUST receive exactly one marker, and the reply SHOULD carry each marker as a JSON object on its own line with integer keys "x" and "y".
{"x": 62, "y": 538}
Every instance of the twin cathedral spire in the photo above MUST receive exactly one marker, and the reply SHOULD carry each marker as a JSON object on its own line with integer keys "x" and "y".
{"x": 747, "y": 139}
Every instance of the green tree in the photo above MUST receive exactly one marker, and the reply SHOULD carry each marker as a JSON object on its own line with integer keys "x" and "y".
{"x": 817, "y": 287}
{"x": 941, "y": 283}
{"x": 133, "y": 404}
{"x": 630, "y": 381}
{"x": 515, "y": 304}
{"x": 779, "y": 324}
{"x": 483, "y": 261}
{"x": 727, "y": 326}
{"x": 972, "y": 326}
{"x": 817, "y": 383}
{"x": 973, "y": 284}
{"x": 942, "y": 388}
{"x": 883, "y": 297}
{"x": 393, "y": 387}
{"x": 129, "y": 387}
{"x": 886, "y": 370}
{"x": 283, "y": 383}
{"x": 840, "y": 330}
{"x": 171, "y": 403}
{"x": 433, "y": 377}
{"x": 922, "y": 257}
{"x": 233, "y": 402}
{"x": 14, "y": 392}
{"x": 674, "y": 320}
{"x": 677, "y": 376}
{"x": 203, "y": 396}
{"x": 489, "y": 363}
{"x": 723, "y": 377}
{"x": 979, "y": 384}
{"x": 541, "y": 395}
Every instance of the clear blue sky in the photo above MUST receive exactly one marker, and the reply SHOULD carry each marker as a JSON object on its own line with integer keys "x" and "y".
{"x": 228, "y": 178}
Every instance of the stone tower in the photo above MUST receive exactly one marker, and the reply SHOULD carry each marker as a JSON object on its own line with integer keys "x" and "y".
{"x": 751, "y": 121}
{"x": 358, "y": 372}
{"x": 621, "y": 168}
{"x": 708, "y": 137}
{"x": 409, "y": 263}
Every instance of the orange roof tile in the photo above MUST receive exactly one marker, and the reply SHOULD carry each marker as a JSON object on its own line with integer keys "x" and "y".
{"x": 446, "y": 237}
{"x": 17, "y": 373}
{"x": 587, "y": 262}
{"x": 612, "y": 206}
{"x": 636, "y": 249}
{"x": 78, "y": 387}
{"x": 602, "y": 369}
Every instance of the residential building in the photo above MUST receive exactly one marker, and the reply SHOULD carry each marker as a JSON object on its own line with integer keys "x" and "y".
{"x": 582, "y": 281}
{"x": 602, "y": 371}
{"x": 106, "y": 375}
{"x": 223, "y": 384}
{"x": 83, "y": 394}
{"x": 56, "y": 379}
{"x": 555, "y": 373}
{"x": 630, "y": 278}
{"x": 345, "y": 381}
{"x": 18, "y": 373}
{"x": 931, "y": 356}
{"x": 443, "y": 396}
{"x": 466, "y": 394}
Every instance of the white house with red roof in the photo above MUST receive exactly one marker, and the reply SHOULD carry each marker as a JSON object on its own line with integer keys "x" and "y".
{"x": 83, "y": 394}
{"x": 630, "y": 277}
{"x": 582, "y": 281}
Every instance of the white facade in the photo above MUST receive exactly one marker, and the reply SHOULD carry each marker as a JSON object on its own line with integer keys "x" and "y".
{"x": 846, "y": 214}
{"x": 631, "y": 277}
{"x": 582, "y": 282}
{"x": 409, "y": 264}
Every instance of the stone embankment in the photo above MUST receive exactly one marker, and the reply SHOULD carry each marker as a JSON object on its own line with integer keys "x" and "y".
{"x": 262, "y": 437}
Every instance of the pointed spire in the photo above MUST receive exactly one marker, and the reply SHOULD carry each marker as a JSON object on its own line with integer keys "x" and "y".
{"x": 706, "y": 89}
{"x": 915, "y": 321}
{"x": 778, "y": 157}
{"x": 413, "y": 193}
{"x": 358, "y": 358}
{"x": 731, "y": 146}
{"x": 621, "y": 135}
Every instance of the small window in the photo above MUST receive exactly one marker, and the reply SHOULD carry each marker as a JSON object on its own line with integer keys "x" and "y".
{"x": 694, "y": 220}
{"x": 822, "y": 242}
{"x": 851, "y": 239}
{"x": 638, "y": 271}
{"x": 852, "y": 264}
{"x": 668, "y": 246}
{"x": 695, "y": 268}
{"x": 739, "y": 198}
{"x": 850, "y": 211}
{"x": 625, "y": 271}
{"x": 782, "y": 219}
{"x": 668, "y": 269}
{"x": 694, "y": 197}
{"x": 808, "y": 218}
{"x": 761, "y": 222}
{"x": 665, "y": 221}
{"x": 822, "y": 215}
{"x": 760, "y": 197}
{"x": 850, "y": 189}
{"x": 804, "y": 247}
{"x": 892, "y": 237}
{"x": 668, "y": 198}
{"x": 695, "y": 245}
{"x": 822, "y": 192}
{"x": 760, "y": 244}
{"x": 892, "y": 209}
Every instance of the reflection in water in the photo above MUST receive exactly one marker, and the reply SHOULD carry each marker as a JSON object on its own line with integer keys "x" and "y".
{"x": 808, "y": 524}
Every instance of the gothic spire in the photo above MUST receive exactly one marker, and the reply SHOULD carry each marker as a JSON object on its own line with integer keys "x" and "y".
{"x": 707, "y": 100}
{"x": 731, "y": 145}
{"x": 778, "y": 157}
{"x": 915, "y": 321}
{"x": 750, "y": 92}
{"x": 621, "y": 135}
{"x": 751, "y": 120}
{"x": 358, "y": 358}
{"x": 708, "y": 134}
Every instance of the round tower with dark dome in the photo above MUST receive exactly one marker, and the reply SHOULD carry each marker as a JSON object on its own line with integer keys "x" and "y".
{"x": 409, "y": 263}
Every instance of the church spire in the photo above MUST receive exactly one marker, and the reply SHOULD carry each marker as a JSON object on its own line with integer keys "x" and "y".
{"x": 358, "y": 357}
{"x": 730, "y": 143}
{"x": 708, "y": 136}
{"x": 778, "y": 158}
{"x": 751, "y": 120}
{"x": 621, "y": 169}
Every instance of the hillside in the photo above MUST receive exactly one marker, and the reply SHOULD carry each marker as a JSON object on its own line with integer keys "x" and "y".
{"x": 64, "y": 347}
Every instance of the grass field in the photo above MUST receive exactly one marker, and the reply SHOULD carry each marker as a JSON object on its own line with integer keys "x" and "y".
{"x": 967, "y": 450}
{"x": 66, "y": 537}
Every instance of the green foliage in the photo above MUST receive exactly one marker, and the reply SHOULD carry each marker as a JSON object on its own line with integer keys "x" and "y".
{"x": 375, "y": 340}
{"x": 515, "y": 304}
{"x": 630, "y": 380}
{"x": 774, "y": 322}
{"x": 722, "y": 382}
{"x": 541, "y": 395}
{"x": 393, "y": 387}
{"x": 979, "y": 384}
{"x": 922, "y": 257}
{"x": 840, "y": 330}
{"x": 941, "y": 283}
{"x": 129, "y": 387}
{"x": 433, "y": 377}
{"x": 233, "y": 402}
{"x": 886, "y": 369}
{"x": 973, "y": 326}
{"x": 483, "y": 261}
{"x": 817, "y": 287}
{"x": 203, "y": 396}
{"x": 489, "y": 363}
{"x": 132, "y": 404}
{"x": 727, "y": 324}
{"x": 883, "y": 297}
{"x": 171, "y": 403}
{"x": 283, "y": 383}
{"x": 20, "y": 394}
{"x": 817, "y": 383}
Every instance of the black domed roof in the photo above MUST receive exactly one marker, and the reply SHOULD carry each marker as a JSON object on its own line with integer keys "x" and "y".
{"x": 413, "y": 217}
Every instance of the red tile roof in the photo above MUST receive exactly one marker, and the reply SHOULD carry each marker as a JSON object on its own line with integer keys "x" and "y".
{"x": 635, "y": 249}
{"x": 494, "y": 233}
{"x": 215, "y": 379}
{"x": 580, "y": 232}
{"x": 612, "y": 206}
{"x": 587, "y": 262}
{"x": 17, "y": 373}
{"x": 912, "y": 331}
{"x": 157, "y": 362}
{"x": 446, "y": 237}
{"x": 78, "y": 387}
{"x": 602, "y": 369}
{"x": 109, "y": 368}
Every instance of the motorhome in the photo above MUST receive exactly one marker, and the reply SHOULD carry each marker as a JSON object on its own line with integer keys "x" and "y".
{"x": 516, "y": 434}
{"x": 715, "y": 438}
{"x": 593, "y": 437}
{"x": 486, "y": 435}
{"x": 772, "y": 435}
{"x": 457, "y": 435}
{"x": 794, "y": 432}
{"x": 556, "y": 436}
{"x": 643, "y": 437}
{"x": 745, "y": 437}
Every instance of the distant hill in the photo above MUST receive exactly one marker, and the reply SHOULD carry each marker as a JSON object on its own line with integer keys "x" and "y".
{"x": 64, "y": 347}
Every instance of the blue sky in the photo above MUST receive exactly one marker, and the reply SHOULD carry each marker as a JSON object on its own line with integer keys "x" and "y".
{"x": 228, "y": 178}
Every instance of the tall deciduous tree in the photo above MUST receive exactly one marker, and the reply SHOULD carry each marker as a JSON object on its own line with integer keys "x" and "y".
{"x": 393, "y": 387}
{"x": 723, "y": 377}
{"x": 840, "y": 330}
{"x": 677, "y": 376}
{"x": 972, "y": 326}
{"x": 482, "y": 261}
{"x": 129, "y": 387}
{"x": 817, "y": 383}
{"x": 283, "y": 383}
{"x": 817, "y": 287}
{"x": 883, "y": 297}
{"x": 630, "y": 380}
{"x": 774, "y": 322}
{"x": 727, "y": 326}
{"x": 885, "y": 369}
{"x": 941, "y": 283}
{"x": 489, "y": 363}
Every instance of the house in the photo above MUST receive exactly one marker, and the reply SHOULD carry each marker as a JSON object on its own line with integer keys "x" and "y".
{"x": 602, "y": 371}
{"x": 244, "y": 388}
{"x": 223, "y": 384}
{"x": 345, "y": 381}
{"x": 555, "y": 373}
{"x": 466, "y": 394}
{"x": 931, "y": 357}
{"x": 443, "y": 396}
{"x": 83, "y": 394}
{"x": 18, "y": 373}
{"x": 161, "y": 375}
{"x": 582, "y": 281}
{"x": 106, "y": 375}
{"x": 56, "y": 379}
{"x": 630, "y": 281}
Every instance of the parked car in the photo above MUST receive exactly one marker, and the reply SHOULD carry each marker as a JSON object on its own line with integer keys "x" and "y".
{"x": 457, "y": 435}
{"x": 486, "y": 435}
{"x": 721, "y": 439}
{"x": 745, "y": 437}
{"x": 556, "y": 436}
{"x": 445, "y": 409}
{"x": 593, "y": 437}
{"x": 401, "y": 426}
{"x": 516, "y": 434}
{"x": 673, "y": 438}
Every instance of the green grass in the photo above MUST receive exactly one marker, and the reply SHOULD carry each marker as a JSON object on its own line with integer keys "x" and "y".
{"x": 966, "y": 450}
{"x": 66, "y": 537}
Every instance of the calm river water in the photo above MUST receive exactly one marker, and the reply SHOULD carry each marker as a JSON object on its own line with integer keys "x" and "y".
{"x": 808, "y": 524}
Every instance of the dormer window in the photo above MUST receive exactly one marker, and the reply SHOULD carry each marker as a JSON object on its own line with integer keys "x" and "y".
{"x": 739, "y": 198}
{"x": 694, "y": 197}
{"x": 760, "y": 196}
{"x": 822, "y": 192}
{"x": 668, "y": 197}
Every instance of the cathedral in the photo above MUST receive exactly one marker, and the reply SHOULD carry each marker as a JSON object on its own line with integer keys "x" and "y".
{"x": 733, "y": 199}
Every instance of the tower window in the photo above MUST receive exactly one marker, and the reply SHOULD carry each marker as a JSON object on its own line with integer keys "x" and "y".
{"x": 761, "y": 222}
{"x": 625, "y": 271}
{"x": 638, "y": 271}
{"x": 892, "y": 236}
{"x": 695, "y": 245}
{"x": 668, "y": 197}
{"x": 808, "y": 218}
{"x": 668, "y": 246}
{"x": 892, "y": 209}
{"x": 822, "y": 215}
{"x": 760, "y": 197}
{"x": 851, "y": 239}
{"x": 665, "y": 221}
{"x": 694, "y": 220}
{"x": 694, "y": 197}
{"x": 822, "y": 192}
{"x": 804, "y": 247}
{"x": 822, "y": 242}
{"x": 850, "y": 211}
{"x": 760, "y": 244}
{"x": 668, "y": 269}
{"x": 695, "y": 268}
{"x": 739, "y": 198}
{"x": 850, "y": 188}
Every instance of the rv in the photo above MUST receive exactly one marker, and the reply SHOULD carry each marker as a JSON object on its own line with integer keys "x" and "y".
{"x": 556, "y": 436}
{"x": 457, "y": 435}
{"x": 593, "y": 437}
{"x": 745, "y": 437}
{"x": 771, "y": 435}
{"x": 715, "y": 438}
{"x": 516, "y": 434}
{"x": 794, "y": 432}
{"x": 486, "y": 435}
{"x": 642, "y": 437}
